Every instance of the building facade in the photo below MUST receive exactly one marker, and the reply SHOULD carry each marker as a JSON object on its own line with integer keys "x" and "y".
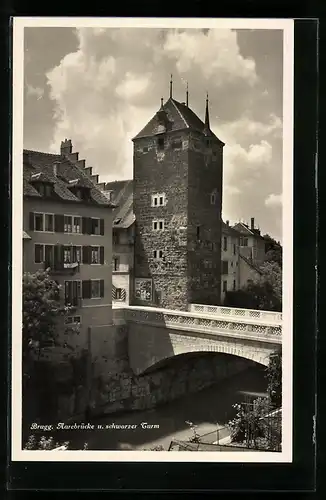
{"x": 67, "y": 228}
{"x": 230, "y": 279}
{"x": 252, "y": 244}
{"x": 123, "y": 239}
{"x": 178, "y": 169}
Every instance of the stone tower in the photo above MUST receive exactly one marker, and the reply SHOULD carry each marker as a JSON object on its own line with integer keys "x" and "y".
{"x": 178, "y": 170}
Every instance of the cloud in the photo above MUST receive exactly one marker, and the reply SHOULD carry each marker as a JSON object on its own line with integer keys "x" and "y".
{"x": 274, "y": 200}
{"x": 249, "y": 127}
{"x": 36, "y": 92}
{"x": 106, "y": 90}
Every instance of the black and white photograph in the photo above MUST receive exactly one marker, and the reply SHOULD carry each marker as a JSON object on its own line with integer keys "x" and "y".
{"x": 152, "y": 239}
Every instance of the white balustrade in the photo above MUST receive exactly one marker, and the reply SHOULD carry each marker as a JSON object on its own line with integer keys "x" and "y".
{"x": 232, "y": 312}
{"x": 204, "y": 323}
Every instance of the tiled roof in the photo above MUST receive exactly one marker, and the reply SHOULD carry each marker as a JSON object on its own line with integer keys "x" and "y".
{"x": 67, "y": 175}
{"x": 178, "y": 117}
{"x": 226, "y": 229}
{"x": 122, "y": 197}
{"x": 243, "y": 228}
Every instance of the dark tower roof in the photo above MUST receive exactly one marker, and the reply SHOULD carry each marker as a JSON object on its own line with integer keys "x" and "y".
{"x": 207, "y": 126}
{"x": 178, "y": 117}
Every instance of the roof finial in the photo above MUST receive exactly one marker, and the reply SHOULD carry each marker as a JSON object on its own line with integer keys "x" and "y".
{"x": 171, "y": 82}
{"x": 207, "y": 126}
{"x": 187, "y": 96}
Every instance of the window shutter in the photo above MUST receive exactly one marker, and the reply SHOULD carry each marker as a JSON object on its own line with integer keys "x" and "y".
{"x": 101, "y": 288}
{"x": 59, "y": 223}
{"x": 90, "y": 226}
{"x": 31, "y": 221}
{"x": 101, "y": 255}
{"x": 102, "y": 227}
{"x": 123, "y": 294}
{"x": 86, "y": 289}
{"x": 114, "y": 292}
{"x": 84, "y": 225}
{"x": 74, "y": 254}
{"x": 38, "y": 253}
{"x": 87, "y": 254}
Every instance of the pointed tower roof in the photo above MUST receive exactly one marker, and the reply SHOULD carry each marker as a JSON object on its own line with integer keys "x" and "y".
{"x": 178, "y": 117}
{"x": 207, "y": 129}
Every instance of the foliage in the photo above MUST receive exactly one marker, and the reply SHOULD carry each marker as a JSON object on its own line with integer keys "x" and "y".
{"x": 47, "y": 443}
{"x": 274, "y": 378}
{"x": 41, "y": 308}
{"x": 251, "y": 427}
{"x": 264, "y": 294}
{"x": 195, "y": 438}
{"x": 273, "y": 250}
{"x": 43, "y": 443}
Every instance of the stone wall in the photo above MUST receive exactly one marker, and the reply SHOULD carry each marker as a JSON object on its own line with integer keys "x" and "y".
{"x": 183, "y": 375}
{"x": 164, "y": 172}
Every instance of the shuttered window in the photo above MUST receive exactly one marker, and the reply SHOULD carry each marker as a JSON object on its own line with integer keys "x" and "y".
{"x": 39, "y": 255}
{"x": 119, "y": 294}
{"x": 225, "y": 267}
{"x": 72, "y": 292}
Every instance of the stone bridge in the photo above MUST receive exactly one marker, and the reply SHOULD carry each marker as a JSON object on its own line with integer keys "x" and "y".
{"x": 155, "y": 335}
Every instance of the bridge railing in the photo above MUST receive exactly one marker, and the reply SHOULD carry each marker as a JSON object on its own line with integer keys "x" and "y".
{"x": 205, "y": 323}
{"x": 232, "y": 312}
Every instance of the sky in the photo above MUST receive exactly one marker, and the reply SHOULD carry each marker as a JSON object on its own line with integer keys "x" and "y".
{"x": 100, "y": 86}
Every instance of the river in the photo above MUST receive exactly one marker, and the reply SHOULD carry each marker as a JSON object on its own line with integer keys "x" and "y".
{"x": 209, "y": 409}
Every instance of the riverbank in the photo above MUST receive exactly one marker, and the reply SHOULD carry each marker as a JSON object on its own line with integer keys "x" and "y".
{"x": 209, "y": 409}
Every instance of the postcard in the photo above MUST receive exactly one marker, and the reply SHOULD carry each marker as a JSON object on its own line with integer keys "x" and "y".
{"x": 152, "y": 239}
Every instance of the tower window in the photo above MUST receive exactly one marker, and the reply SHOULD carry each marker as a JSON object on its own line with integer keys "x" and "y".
{"x": 160, "y": 143}
{"x": 198, "y": 232}
{"x": 225, "y": 243}
{"x": 158, "y": 200}
{"x": 213, "y": 198}
{"x": 158, "y": 254}
{"x": 158, "y": 225}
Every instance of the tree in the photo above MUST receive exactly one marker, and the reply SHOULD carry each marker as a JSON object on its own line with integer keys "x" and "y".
{"x": 41, "y": 308}
{"x": 264, "y": 294}
{"x": 273, "y": 250}
{"x": 274, "y": 378}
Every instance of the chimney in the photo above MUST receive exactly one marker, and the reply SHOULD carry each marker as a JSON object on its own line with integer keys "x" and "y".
{"x": 66, "y": 147}
{"x": 252, "y": 223}
{"x": 55, "y": 169}
{"x": 227, "y": 222}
